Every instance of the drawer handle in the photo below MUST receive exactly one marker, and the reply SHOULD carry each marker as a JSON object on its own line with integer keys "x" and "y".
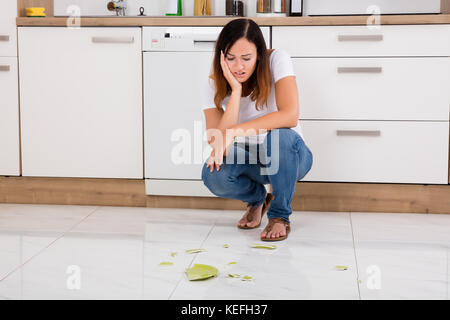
{"x": 359, "y": 69}
{"x": 4, "y": 38}
{"x": 367, "y": 37}
{"x": 210, "y": 41}
{"x": 4, "y": 68}
{"x": 364, "y": 133}
{"x": 112, "y": 39}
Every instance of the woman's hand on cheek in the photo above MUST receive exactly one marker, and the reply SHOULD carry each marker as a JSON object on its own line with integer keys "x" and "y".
{"x": 234, "y": 83}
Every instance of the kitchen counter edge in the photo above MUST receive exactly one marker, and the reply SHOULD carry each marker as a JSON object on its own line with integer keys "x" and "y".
{"x": 221, "y": 21}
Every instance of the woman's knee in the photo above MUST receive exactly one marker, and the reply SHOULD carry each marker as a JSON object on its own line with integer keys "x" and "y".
{"x": 282, "y": 144}
{"x": 306, "y": 162}
{"x": 282, "y": 138}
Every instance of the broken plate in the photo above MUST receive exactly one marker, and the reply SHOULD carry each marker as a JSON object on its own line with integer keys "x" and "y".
{"x": 341, "y": 268}
{"x": 264, "y": 246}
{"x": 234, "y": 275}
{"x": 201, "y": 272}
{"x": 195, "y": 250}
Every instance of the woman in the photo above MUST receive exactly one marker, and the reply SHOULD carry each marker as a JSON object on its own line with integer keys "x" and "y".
{"x": 258, "y": 91}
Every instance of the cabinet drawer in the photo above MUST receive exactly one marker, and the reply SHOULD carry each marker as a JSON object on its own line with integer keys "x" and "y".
{"x": 398, "y": 40}
{"x": 377, "y": 151}
{"x": 373, "y": 88}
{"x": 9, "y": 117}
{"x": 8, "y": 34}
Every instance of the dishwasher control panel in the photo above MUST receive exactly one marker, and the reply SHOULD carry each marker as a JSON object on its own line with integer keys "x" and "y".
{"x": 180, "y": 38}
{"x": 185, "y": 38}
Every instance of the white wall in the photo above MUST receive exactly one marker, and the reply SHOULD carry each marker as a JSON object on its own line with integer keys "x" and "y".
{"x": 152, "y": 7}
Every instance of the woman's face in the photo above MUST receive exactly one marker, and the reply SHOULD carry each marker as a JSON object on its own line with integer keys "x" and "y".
{"x": 241, "y": 59}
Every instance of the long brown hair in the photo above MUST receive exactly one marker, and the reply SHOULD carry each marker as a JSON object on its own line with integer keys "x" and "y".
{"x": 260, "y": 81}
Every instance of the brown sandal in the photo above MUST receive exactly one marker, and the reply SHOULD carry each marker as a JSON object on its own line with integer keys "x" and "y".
{"x": 269, "y": 227}
{"x": 269, "y": 198}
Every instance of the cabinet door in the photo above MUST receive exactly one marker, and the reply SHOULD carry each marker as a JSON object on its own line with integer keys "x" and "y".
{"x": 9, "y": 117}
{"x": 8, "y": 37}
{"x": 81, "y": 102}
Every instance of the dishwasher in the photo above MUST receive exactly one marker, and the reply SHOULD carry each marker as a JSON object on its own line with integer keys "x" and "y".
{"x": 176, "y": 64}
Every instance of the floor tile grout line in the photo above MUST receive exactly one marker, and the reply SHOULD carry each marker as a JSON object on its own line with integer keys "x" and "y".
{"x": 195, "y": 256}
{"x": 354, "y": 253}
{"x": 46, "y": 247}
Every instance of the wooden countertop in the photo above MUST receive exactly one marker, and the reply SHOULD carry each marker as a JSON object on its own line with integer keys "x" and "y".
{"x": 114, "y": 21}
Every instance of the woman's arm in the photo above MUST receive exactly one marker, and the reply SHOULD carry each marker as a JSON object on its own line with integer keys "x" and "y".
{"x": 286, "y": 95}
{"x": 231, "y": 115}
{"x": 213, "y": 117}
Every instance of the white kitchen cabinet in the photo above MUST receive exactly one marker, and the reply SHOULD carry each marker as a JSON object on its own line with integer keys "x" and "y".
{"x": 9, "y": 118}
{"x": 374, "y": 103}
{"x": 8, "y": 34}
{"x": 81, "y": 102}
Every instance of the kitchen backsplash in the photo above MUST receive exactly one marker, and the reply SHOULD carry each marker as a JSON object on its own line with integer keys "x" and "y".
{"x": 152, "y": 7}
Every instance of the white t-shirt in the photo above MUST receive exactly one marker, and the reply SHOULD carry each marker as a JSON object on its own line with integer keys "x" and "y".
{"x": 280, "y": 67}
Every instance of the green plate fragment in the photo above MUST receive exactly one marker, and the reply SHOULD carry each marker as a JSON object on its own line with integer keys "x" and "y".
{"x": 246, "y": 278}
{"x": 264, "y": 246}
{"x": 226, "y": 246}
{"x": 173, "y": 254}
{"x": 201, "y": 272}
{"x": 234, "y": 275}
{"x": 195, "y": 250}
{"x": 166, "y": 263}
{"x": 232, "y": 262}
{"x": 341, "y": 268}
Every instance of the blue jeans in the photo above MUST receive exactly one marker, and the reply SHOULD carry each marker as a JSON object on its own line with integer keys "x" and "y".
{"x": 281, "y": 160}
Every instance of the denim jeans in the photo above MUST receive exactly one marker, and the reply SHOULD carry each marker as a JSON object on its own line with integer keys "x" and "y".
{"x": 281, "y": 160}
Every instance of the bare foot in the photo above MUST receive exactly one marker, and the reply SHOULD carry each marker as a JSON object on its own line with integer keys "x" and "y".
{"x": 252, "y": 217}
{"x": 278, "y": 230}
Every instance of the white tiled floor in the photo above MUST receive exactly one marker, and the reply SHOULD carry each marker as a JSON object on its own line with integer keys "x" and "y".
{"x": 82, "y": 252}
